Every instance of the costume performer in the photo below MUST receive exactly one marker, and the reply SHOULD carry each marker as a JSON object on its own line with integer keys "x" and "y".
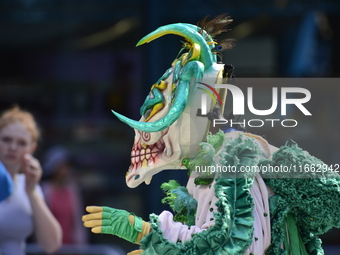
{"x": 216, "y": 213}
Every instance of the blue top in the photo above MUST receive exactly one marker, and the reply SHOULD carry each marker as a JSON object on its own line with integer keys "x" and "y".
{"x": 6, "y": 184}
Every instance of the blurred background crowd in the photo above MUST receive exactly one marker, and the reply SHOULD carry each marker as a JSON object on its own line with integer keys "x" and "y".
{"x": 71, "y": 62}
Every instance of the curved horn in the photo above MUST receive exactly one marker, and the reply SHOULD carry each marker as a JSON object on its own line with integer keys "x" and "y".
{"x": 174, "y": 113}
{"x": 205, "y": 35}
{"x": 204, "y": 55}
{"x": 190, "y": 33}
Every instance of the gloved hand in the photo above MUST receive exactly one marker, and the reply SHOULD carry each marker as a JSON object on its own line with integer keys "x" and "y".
{"x": 106, "y": 220}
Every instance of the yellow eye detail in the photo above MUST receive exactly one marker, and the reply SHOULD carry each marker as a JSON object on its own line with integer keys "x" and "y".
{"x": 161, "y": 85}
{"x": 155, "y": 109}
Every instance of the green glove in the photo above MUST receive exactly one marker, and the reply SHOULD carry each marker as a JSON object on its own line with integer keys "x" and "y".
{"x": 106, "y": 220}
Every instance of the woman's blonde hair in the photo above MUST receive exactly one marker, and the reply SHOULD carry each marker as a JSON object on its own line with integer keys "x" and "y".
{"x": 14, "y": 115}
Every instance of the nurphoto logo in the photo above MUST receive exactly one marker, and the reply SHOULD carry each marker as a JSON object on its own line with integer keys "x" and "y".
{"x": 239, "y": 105}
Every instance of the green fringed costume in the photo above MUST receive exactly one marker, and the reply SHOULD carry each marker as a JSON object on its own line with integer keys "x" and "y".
{"x": 300, "y": 208}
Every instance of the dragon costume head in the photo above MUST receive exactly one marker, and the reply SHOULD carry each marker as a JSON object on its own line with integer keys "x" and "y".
{"x": 170, "y": 127}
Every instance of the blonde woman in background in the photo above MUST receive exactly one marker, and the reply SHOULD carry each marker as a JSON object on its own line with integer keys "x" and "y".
{"x": 24, "y": 212}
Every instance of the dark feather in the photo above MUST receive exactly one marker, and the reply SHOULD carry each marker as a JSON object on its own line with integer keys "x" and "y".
{"x": 226, "y": 44}
{"x": 216, "y": 25}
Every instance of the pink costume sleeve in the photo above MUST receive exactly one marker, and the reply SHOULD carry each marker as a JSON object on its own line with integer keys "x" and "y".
{"x": 175, "y": 231}
{"x": 262, "y": 229}
{"x": 206, "y": 199}
{"x": 205, "y": 196}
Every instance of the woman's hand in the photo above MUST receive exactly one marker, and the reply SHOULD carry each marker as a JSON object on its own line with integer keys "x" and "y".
{"x": 46, "y": 227}
{"x": 33, "y": 172}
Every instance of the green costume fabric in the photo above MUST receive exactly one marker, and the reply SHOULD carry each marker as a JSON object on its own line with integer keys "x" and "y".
{"x": 180, "y": 202}
{"x": 116, "y": 222}
{"x": 231, "y": 234}
{"x": 233, "y": 229}
{"x": 292, "y": 239}
{"x": 301, "y": 208}
{"x": 312, "y": 198}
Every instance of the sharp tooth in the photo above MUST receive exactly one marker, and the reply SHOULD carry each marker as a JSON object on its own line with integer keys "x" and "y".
{"x": 144, "y": 145}
{"x": 137, "y": 159}
{"x": 147, "y": 156}
{"x": 133, "y": 153}
{"x": 168, "y": 152}
{"x": 144, "y": 163}
{"x": 148, "y": 181}
{"x": 133, "y": 160}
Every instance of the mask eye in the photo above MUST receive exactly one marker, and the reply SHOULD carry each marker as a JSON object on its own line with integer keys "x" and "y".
{"x": 161, "y": 85}
{"x": 155, "y": 97}
{"x": 155, "y": 101}
{"x": 156, "y": 108}
{"x": 147, "y": 113}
